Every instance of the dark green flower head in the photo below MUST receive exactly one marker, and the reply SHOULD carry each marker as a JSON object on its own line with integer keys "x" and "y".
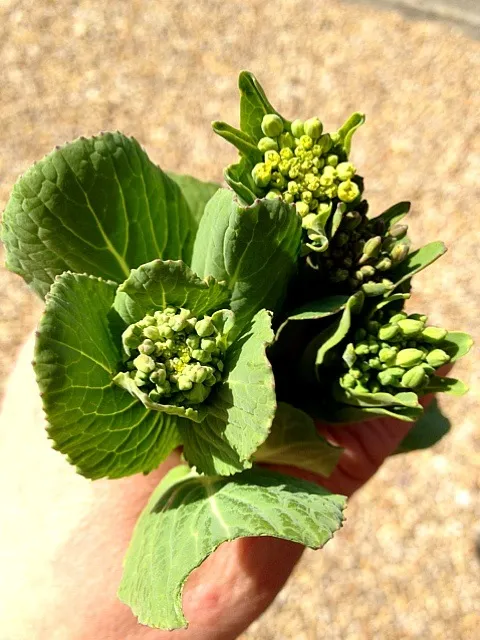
{"x": 174, "y": 357}
{"x": 361, "y": 254}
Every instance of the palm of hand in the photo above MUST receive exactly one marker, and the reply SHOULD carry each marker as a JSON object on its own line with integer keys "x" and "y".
{"x": 238, "y": 582}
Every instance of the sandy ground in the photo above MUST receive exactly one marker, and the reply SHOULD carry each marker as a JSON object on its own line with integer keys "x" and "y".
{"x": 404, "y": 566}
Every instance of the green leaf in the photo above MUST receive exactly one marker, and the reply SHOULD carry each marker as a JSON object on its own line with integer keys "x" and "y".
{"x": 100, "y": 427}
{"x": 240, "y": 409}
{"x": 189, "y": 516}
{"x": 157, "y": 284}
{"x": 427, "y": 431}
{"x": 336, "y": 332}
{"x": 315, "y": 310}
{"x": 239, "y": 178}
{"x": 196, "y": 192}
{"x": 254, "y": 105}
{"x": 394, "y": 213}
{"x": 318, "y": 309}
{"x": 124, "y": 381}
{"x": 417, "y": 261}
{"x": 447, "y": 385}
{"x": 294, "y": 441}
{"x": 242, "y": 141}
{"x": 98, "y": 206}
{"x": 347, "y": 130}
{"x": 254, "y": 249}
{"x": 380, "y": 399}
{"x": 457, "y": 344}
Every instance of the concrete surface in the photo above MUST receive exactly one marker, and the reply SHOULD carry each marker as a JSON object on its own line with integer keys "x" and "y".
{"x": 404, "y": 567}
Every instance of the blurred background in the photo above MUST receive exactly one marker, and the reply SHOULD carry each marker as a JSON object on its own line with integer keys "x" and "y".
{"x": 405, "y": 565}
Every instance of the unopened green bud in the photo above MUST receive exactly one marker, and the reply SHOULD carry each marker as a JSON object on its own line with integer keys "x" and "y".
{"x": 200, "y": 374}
{"x": 340, "y": 275}
{"x": 293, "y": 187}
{"x": 272, "y": 158}
{"x": 180, "y": 321}
{"x": 332, "y": 160}
{"x": 399, "y": 252}
{"x": 261, "y": 174}
{"x": 409, "y": 357}
{"x": 410, "y": 328}
{"x": 278, "y": 181}
{"x": 204, "y": 328}
{"x": 297, "y": 128}
{"x": 165, "y": 331}
{"x": 395, "y": 319}
{"x": 286, "y": 153}
{"x": 144, "y": 363}
{"x": 198, "y": 393}
{"x": 286, "y": 141}
{"x": 434, "y": 335}
{"x": 158, "y": 376}
{"x": 375, "y": 288}
{"x": 419, "y": 316}
{"x": 132, "y": 337}
{"x": 348, "y": 381}
{"x": 272, "y": 194}
{"x": 147, "y": 347}
{"x": 390, "y": 376}
{"x": 367, "y": 271}
{"x": 414, "y": 378}
{"x": 306, "y": 142}
{"x": 164, "y": 389}
{"x": 398, "y": 231}
{"x": 208, "y": 344}
{"x": 302, "y": 208}
{"x": 201, "y": 355}
{"x": 325, "y": 143}
{"x": 362, "y": 349}
{"x": 307, "y": 196}
{"x": 345, "y": 170}
{"x": 313, "y": 127}
{"x": 387, "y": 355}
{"x": 388, "y": 332}
{"x": 184, "y": 383}
{"x": 360, "y": 334}
{"x": 437, "y": 358}
{"x": 267, "y": 144}
{"x": 384, "y": 264}
{"x": 372, "y": 247}
{"x": 272, "y": 125}
{"x": 348, "y": 191}
{"x": 373, "y": 326}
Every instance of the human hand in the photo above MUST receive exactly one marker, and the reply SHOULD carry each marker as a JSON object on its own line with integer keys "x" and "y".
{"x": 77, "y": 533}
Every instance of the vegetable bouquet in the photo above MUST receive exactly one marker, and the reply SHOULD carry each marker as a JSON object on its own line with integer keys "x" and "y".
{"x": 225, "y": 321}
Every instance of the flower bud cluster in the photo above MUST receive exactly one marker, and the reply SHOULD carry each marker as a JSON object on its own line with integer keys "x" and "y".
{"x": 303, "y": 165}
{"x": 360, "y": 254}
{"x": 393, "y": 352}
{"x": 175, "y": 357}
